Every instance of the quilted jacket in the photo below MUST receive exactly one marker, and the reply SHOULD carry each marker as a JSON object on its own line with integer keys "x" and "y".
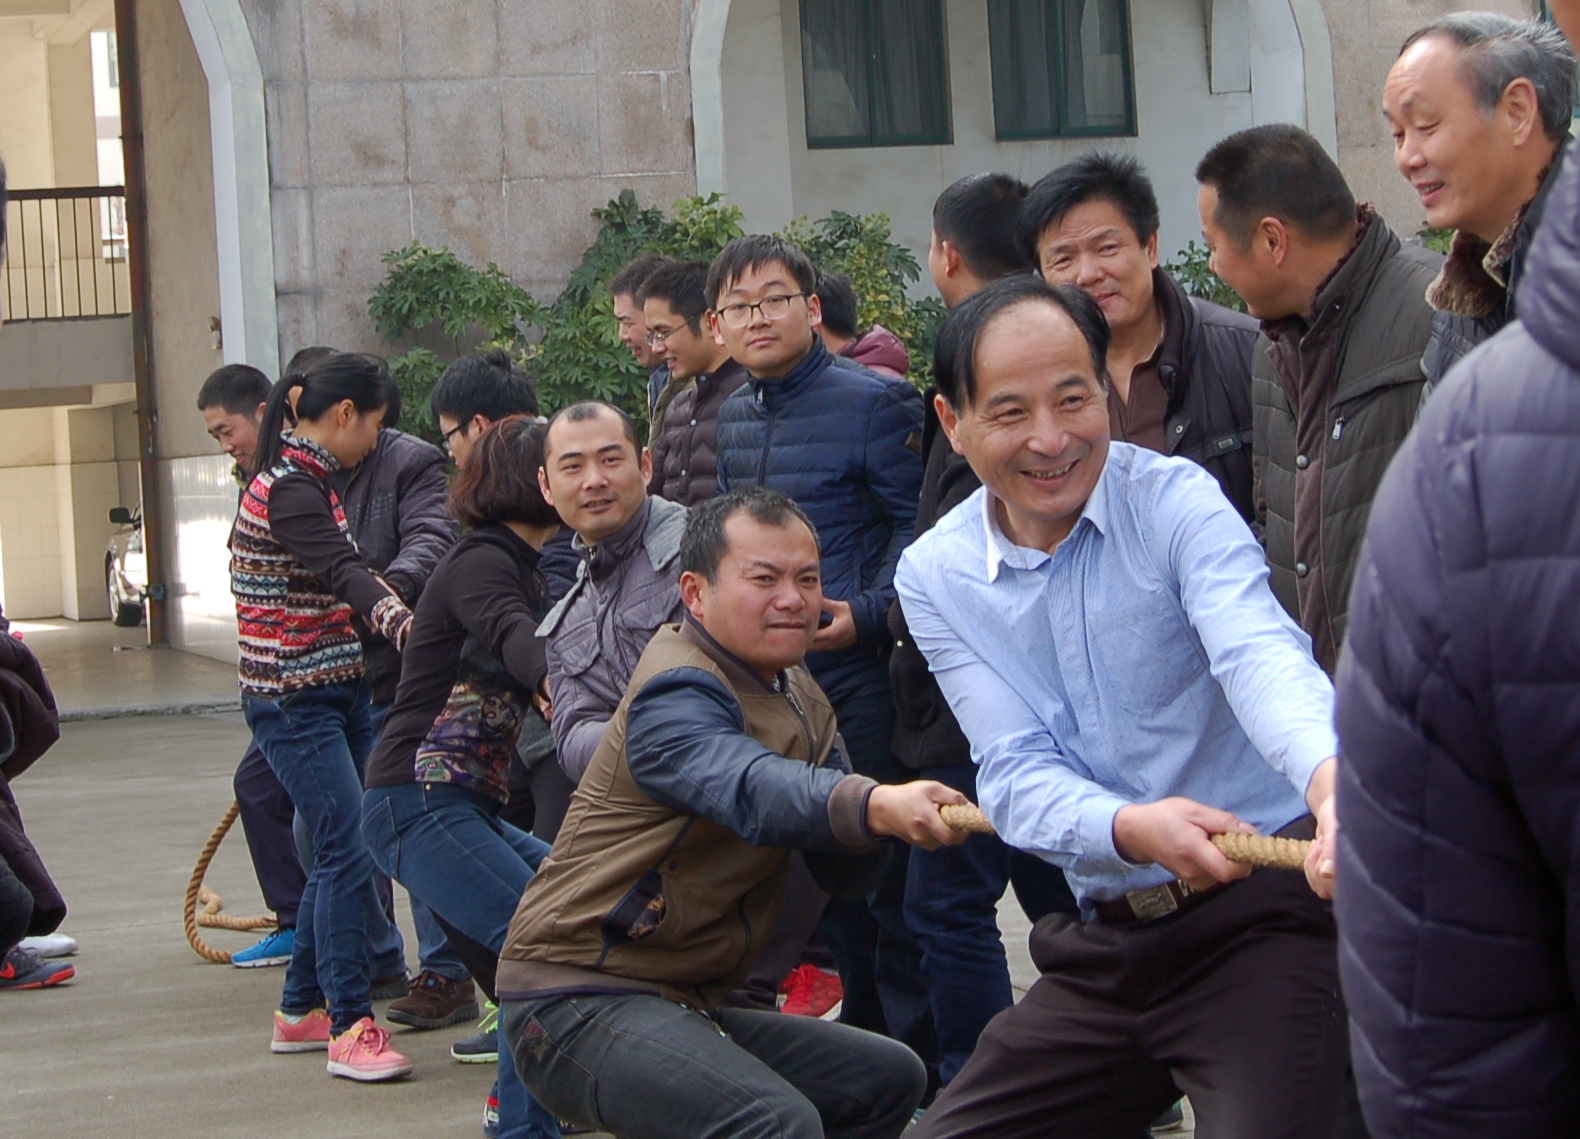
{"x": 1459, "y": 715}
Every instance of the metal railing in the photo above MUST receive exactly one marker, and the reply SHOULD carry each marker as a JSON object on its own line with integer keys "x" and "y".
{"x": 65, "y": 254}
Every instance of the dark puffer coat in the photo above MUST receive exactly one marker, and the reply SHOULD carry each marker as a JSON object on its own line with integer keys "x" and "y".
{"x": 1459, "y": 716}
{"x": 686, "y": 449}
{"x": 846, "y": 445}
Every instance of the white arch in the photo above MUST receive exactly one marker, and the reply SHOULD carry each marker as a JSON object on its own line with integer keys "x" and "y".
{"x": 707, "y": 93}
{"x": 239, "y": 133}
{"x": 1316, "y": 47}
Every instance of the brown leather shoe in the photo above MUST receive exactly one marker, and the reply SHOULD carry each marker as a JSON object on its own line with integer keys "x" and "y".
{"x": 432, "y": 1001}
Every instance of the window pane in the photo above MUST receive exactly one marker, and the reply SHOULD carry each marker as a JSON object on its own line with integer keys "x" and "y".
{"x": 1019, "y": 35}
{"x": 834, "y": 67}
{"x": 1095, "y": 51}
{"x": 908, "y": 100}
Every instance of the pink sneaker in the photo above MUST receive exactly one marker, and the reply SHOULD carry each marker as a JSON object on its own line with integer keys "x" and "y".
{"x": 309, "y": 1033}
{"x": 363, "y": 1052}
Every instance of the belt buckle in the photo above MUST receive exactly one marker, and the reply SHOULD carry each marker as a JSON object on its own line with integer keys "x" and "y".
{"x": 1152, "y": 903}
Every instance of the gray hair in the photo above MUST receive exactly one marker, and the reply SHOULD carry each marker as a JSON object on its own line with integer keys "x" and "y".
{"x": 1497, "y": 50}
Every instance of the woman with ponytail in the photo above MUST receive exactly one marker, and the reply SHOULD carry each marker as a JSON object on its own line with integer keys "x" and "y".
{"x": 298, "y": 580}
{"x": 439, "y": 774}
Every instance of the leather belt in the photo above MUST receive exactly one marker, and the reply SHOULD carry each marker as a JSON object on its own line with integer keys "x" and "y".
{"x": 1142, "y": 906}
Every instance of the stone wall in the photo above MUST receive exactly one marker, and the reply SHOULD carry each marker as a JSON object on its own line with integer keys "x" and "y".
{"x": 1366, "y": 38}
{"x": 490, "y": 126}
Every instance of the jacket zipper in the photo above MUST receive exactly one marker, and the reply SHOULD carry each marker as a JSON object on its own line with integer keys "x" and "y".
{"x": 1338, "y": 428}
{"x": 806, "y": 727}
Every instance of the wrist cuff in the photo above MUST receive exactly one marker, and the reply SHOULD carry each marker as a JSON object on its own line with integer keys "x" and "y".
{"x": 847, "y": 812}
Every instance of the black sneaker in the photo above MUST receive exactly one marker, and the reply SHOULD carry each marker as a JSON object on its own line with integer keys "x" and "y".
{"x": 482, "y": 1047}
{"x": 23, "y": 969}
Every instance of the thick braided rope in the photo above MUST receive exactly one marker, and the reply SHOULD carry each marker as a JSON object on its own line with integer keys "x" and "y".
{"x": 1255, "y": 849}
{"x": 210, "y": 916}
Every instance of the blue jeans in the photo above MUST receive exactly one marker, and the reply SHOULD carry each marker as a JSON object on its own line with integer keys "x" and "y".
{"x": 951, "y": 907}
{"x": 315, "y": 740}
{"x": 448, "y": 847}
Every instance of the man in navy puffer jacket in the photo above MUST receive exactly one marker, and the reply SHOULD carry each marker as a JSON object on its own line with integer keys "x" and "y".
{"x": 1459, "y": 716}
{"x": 845, "y": 444}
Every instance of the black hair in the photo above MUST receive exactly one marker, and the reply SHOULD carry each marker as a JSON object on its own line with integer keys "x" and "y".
{"x": 753, "y": 251}
{"x": 490, "y": 384}
{"x": 394, "y": 405}
{"x": 838, "y": 298}
{"x": 1277, "y": 171}
{"x": 499, "y": 480}
{"x": 1095, "y": 176}
{"x": 682, "y": 285}
{"x": 238, "y": 388}
{"x": 629, "y": 279}
{"x": 305, "y": 358}
{"x": 583, "y": 410}
{"x": 1495, "y": 50}
{"x": 362, "y": 379}
{"x": 954, "y": 358}
{"x": 977, "y": 215}
{"x": 703, "y": 544}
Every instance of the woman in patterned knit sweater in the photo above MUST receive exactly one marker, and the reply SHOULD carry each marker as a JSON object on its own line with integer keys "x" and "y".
{"x": 438, "y": 776}
{"x": 298, "y": 581}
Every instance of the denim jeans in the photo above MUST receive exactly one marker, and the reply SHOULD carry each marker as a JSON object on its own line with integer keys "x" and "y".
{"x": 449, "y": 848}
{"x": 315, "y": 739}
{"x": 643, "y": 1068}
{"x": 951, "y": 907}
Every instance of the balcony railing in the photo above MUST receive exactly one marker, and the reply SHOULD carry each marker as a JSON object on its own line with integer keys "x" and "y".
{"x": 65, "y": 254}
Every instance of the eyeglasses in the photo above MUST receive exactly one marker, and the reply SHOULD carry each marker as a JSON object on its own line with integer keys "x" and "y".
{"x": 776, "y": 307}
{"x": 656, "y": 337}
{"x": 444, "y": 440}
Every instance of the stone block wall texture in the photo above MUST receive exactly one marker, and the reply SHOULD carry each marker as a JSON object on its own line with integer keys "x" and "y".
{"x": 490, "y": 126}
{"x": 1366, "y": 37}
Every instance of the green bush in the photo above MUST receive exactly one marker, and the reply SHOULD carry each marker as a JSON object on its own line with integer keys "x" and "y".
{"x": 1191, "y": 269}
{"x": 1439, "y": 240}
{"x": 572, "y": 344}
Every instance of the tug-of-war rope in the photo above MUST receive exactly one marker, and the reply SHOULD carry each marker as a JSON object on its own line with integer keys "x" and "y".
{"x": 1254, "y": 849}
{"x": 209, "y": 916}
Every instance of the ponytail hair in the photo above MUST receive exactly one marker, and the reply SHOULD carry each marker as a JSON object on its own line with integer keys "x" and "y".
{"x": 325, "y": 383}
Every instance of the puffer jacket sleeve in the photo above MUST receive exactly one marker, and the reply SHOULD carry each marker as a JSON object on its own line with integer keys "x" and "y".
{"x": 894, "y": 475}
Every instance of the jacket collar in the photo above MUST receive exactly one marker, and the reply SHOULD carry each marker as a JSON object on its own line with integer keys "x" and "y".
{"x": 797, "y": 380}
{"x": 310, "y": 456}
{"x": 1477, "y": 278}
{"x": 1345, "y": 286}
{"x": 617, "y": 547}
{"x": 1179, "y": 329}
{"x": 727, "y": 370}
{"x": 741, "y": 674}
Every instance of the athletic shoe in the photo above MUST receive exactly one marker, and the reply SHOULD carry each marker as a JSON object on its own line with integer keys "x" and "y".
{"x": 22, "y": 969}
{"x": 50, "y": 945}
{"x": 811, "y": 992}
{"x": 388, "y": 988}
{"x": 1171, "y": 1122}
{"x": 306, "y": 1033}
{"x": 432, "y": 1001}
{"x": 274, "y": 949}
{"x": 482, "y": 1047}
{"x": 363, "y": 1052}
{"x": 491, "y": 1117}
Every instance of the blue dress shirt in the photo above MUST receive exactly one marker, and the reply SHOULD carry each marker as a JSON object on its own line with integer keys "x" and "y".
{"x": 1145, "y": 657}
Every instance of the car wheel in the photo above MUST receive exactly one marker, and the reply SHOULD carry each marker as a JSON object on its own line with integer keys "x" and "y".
{"x": 124, "y": 613}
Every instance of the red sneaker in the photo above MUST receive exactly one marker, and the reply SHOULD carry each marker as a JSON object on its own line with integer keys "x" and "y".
{"x": 810, "y": 992}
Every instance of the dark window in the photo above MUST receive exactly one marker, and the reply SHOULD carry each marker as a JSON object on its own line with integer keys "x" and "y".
{"x": 874, "y": 72}
{"x": 1061, "y": 67}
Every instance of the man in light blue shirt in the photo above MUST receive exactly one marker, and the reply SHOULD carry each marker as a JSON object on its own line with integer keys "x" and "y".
{"x": 1099, "y": 618}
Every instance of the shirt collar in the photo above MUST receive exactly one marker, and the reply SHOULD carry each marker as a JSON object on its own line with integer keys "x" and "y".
{"x": 1002, "y": 551}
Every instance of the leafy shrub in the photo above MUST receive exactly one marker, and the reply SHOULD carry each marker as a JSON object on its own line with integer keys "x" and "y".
{"x": 1191, "y": 269}
{"x": 1436, "y": 239}
{"x": 572, "y": 344}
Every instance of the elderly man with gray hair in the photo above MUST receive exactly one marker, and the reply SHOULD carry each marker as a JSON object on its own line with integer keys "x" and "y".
{"x": 1480, "y": 106}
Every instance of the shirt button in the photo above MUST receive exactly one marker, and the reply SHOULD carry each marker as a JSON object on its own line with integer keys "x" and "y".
{"x": 693, "y": 422}
{"x": 682, "y": 472}
{"x": 1301, "y": 569}
{"x": 1302, "y": 461}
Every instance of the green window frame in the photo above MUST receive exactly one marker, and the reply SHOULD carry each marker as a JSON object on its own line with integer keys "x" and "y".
{"x": 1061, "y": 68}
{"x": 874, "y": 73}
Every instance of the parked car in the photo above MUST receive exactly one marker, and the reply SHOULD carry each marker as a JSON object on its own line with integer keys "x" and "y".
{"x": 126, "y": 568}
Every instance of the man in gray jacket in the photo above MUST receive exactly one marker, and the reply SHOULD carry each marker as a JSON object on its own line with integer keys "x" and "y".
{"x": 595, "y": 473}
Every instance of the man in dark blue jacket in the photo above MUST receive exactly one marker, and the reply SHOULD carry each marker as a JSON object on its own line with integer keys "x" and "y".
{"x": 1458, "y": 712}
{"x": 846, "y": 446}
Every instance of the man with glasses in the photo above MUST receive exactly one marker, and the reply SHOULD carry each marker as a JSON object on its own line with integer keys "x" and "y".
{"x": 846, "y": 446}
{"x": 679, "y": 327}
{"x": 628, "y": 315}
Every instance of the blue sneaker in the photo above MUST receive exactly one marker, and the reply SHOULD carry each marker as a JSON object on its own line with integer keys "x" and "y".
{"x": 275, "y": 949}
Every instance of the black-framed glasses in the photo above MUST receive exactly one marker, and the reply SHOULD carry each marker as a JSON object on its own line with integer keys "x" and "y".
{"x": 776, "y": 307}
{"x": 444, "y": 440}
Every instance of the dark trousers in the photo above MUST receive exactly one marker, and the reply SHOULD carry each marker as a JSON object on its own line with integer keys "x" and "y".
{"x": 951, "y": 908}
{"x": 266, "y": 814}
{"x": 1234, "y": 1002}
{"x": 16, "y": 908}
{"x": 643, "y": 1068}
{"x": 880, "y": 964}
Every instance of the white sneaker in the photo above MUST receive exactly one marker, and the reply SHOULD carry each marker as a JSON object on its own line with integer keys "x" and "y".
{"x": 51, "y": 945}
